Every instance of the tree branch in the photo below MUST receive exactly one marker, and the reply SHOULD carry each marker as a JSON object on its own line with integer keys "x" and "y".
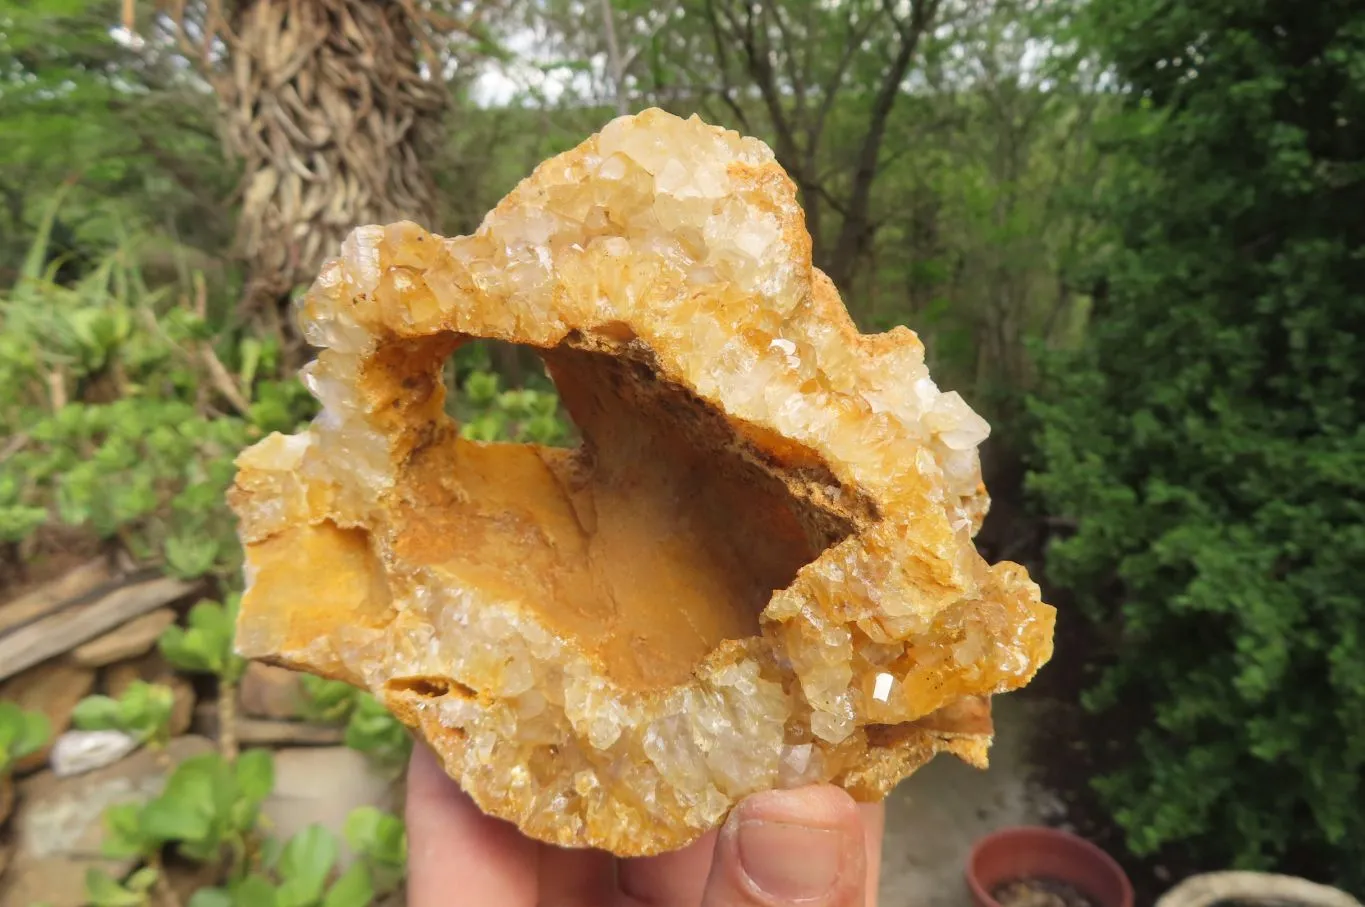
{"x": 855, "y": 230}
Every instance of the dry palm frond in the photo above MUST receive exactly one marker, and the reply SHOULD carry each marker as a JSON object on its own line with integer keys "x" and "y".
{"x": 331, "y": 105}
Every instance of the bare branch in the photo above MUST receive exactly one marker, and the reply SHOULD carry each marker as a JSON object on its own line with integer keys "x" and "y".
{"x": 618, "y": 73}
{"x": 761, "y": 71}
{"x": 789, "y": 43}
{"x": 830, "y": 90}
{"x": 633, "y": 57}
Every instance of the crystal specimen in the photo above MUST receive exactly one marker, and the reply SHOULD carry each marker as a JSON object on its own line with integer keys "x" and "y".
{"x": 755, "y": 571}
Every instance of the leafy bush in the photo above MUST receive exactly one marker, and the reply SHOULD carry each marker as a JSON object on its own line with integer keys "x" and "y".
{"x": 1210, "y": 439}
{"x": 488, "y": 413}
{"x": 205, "y": 644}
{"x": 143, "y": 711}
{"x": 125, "y": 407}
{"x": 369, "y": 726}
{"x": 21, "y": 733}
{"x": 299, "y": 875}
{"x": 207, "y": 811}
{"x": 381, "y": 842}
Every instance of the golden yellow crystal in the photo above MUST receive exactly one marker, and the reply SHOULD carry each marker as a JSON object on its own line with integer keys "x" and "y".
{"x": 756, "y": 570}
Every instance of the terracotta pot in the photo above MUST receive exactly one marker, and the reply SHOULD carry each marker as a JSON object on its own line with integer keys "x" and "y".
{"x": 1037, "y": 852}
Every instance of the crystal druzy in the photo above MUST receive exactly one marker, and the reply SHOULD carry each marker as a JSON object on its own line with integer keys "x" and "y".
{"x": 756, "y": 570}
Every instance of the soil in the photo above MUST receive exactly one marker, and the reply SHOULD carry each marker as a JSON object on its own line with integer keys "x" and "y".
{"x": 1041, "y": 892}
{"x": 44, "y": 556}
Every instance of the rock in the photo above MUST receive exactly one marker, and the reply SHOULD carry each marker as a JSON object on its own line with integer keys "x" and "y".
{"x": 323, "y": 785}
{"x": 270, "y": 692}
{"x": 63, "y": 631}
{"x": 263, "y": 732}
{"x": 129, "y": 641}
{"x": 52, "y": 688}
{"x": 152, "y": 668}
{"x": 52, "y": 881}
{"x": 756, "y": 571}
{"x": 78, "y": 752}
{"x": 6, "y": 852}
{"x": 71, "y": 587}
{"x": 58, "y": 829}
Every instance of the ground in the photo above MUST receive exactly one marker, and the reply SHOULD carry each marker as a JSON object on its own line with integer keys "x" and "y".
{"x": 934, "y": 817}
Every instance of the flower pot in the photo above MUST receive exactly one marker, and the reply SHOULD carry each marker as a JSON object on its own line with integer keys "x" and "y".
{"x": 1036, "y": 852}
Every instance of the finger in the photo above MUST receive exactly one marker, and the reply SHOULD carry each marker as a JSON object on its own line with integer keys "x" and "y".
{"x": 671, "y": 880}
{"x": 780, "y": 848}
{"x": 575, "y": 878}
{"x": 873, "y": 816}
{"x": 456, "y": 854}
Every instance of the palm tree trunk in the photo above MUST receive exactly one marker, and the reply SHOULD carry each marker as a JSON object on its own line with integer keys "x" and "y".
{"x": 331, "y": 108}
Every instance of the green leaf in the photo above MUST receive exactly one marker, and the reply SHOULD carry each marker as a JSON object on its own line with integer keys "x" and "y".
{"x": 353, "y": 889}
{"x": 96, "y": 713}
{"x": 255, "y": 891}
{"x": 123, "y": 831}
{"x": 329, "y": 701}
{"x": 214, "y": 897}
{"x": 256, "y": 773}
{"x": 21, "y": 732}
{"x": 377, "y": 835}
{"x": 304, "y": 866}
{"x": 206, "y": 644}
{"x": 105, "y": 892}
{"x": 169, "y": 819}
{"x": 190, "y": 557}
{"x": 142, "y": 879}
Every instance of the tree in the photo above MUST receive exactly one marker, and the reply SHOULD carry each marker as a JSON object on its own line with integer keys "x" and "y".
{"x": 784, "y": 52}
{"x": 983, "y": 208}
{"x": 123, "y": 131}
{"x": 1209, "y": 441}
{"x": 332, "y": 107}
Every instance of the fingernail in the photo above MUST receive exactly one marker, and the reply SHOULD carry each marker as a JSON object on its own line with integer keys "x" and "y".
{"x": 789, "y": 862}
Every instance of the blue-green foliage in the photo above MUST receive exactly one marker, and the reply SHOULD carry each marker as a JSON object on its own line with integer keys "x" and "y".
{"x": 1210, "y": 440}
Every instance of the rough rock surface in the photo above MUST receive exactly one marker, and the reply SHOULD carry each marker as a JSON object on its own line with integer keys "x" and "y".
{"x": 52, "y": 688}
{"x": 270, "y": 692}
{"x": 131, "y": 640}
{"x": 756, "y": 570}
{"x": 78, "y": 752}
{"x": 324, "y": 785}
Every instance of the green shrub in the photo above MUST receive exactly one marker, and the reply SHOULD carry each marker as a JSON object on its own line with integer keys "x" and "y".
{"x": 143, "y": 711}
{"x": 369, "y": 726}
{"x": 381, "y": 842}
{"x": 1210, "y": 440}
{"x": 299, "y": 875}
{"x": 488, "y": 413}
{"x": 205, "y": 644}
{"x": 125, "y": 406}
{"x": 208, "y": 810}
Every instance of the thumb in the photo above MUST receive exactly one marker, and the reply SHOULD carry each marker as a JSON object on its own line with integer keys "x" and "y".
{"x": 793, "y": 847}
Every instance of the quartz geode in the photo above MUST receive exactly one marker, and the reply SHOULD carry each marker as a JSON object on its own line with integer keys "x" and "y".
{"x": 755, "y": 571}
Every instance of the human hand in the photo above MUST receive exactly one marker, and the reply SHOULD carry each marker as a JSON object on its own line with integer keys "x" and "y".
{"x": 812, "y": 847}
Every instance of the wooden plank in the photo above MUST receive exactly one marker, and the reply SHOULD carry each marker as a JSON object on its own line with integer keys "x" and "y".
{"x": 63, "y": 631}
{"x": 55, "y": 595}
